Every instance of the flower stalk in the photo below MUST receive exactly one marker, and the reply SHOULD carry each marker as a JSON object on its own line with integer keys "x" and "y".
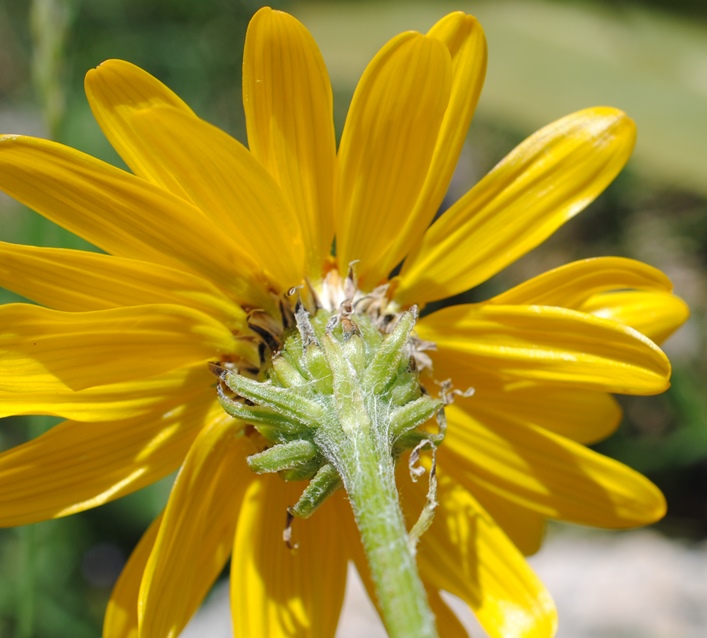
{"x": 368, "y": 471}
{"x": 339, "y": 405}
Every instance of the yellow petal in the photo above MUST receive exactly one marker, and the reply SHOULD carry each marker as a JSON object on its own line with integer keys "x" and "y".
{"x": 231, "y": 187}
{"x": 289, "y": 115}
{"x": 581, "y": 415}
{"x": 53, "y": 351}
{"x": 115, "y": 90}
{"x": 654, "y": 314}
{"x": 544, "y": 182}
{"x": 114, "y": 401}
{"x": 77, "y": 466}
{"x": 464, "y": 38}
{"x": 120, "y": 620}
{"x": 547, "y": 473}
{"x": 278, "y": 592}
{"x": 448, "y": 625}
{"x": 196, "y": 534}
{"x": 571, "y": 285}
{"x": 524, "y": 527}
{"x": 387, "y": 147}
{"x": 123, "y": 214}
{"x": 76, "y": 280}
{"x": 465, "y": 553}
{"x": 547, "y": 344}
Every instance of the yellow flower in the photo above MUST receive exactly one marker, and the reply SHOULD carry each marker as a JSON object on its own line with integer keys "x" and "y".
{"x": 205, "y": 238}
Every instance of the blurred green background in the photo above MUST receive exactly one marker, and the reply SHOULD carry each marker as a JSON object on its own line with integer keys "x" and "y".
{"x": 546, "y": 59}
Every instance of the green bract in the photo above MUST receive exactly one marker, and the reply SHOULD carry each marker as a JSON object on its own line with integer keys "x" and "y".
{"x": 335, "y": 377}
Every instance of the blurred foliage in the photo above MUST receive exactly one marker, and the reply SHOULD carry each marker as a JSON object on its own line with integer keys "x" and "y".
{"x": 546, "y": 58}
{"x": 687, "y": 8}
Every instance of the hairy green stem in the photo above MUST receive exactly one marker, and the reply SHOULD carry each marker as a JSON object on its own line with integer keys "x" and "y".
{"x": 369, "y": 479}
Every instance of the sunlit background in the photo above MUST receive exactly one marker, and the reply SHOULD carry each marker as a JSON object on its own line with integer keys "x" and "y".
{"x": 546, "y": 59}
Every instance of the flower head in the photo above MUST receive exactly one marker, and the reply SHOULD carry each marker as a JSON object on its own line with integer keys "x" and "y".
{"x": 205, "y": 238}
